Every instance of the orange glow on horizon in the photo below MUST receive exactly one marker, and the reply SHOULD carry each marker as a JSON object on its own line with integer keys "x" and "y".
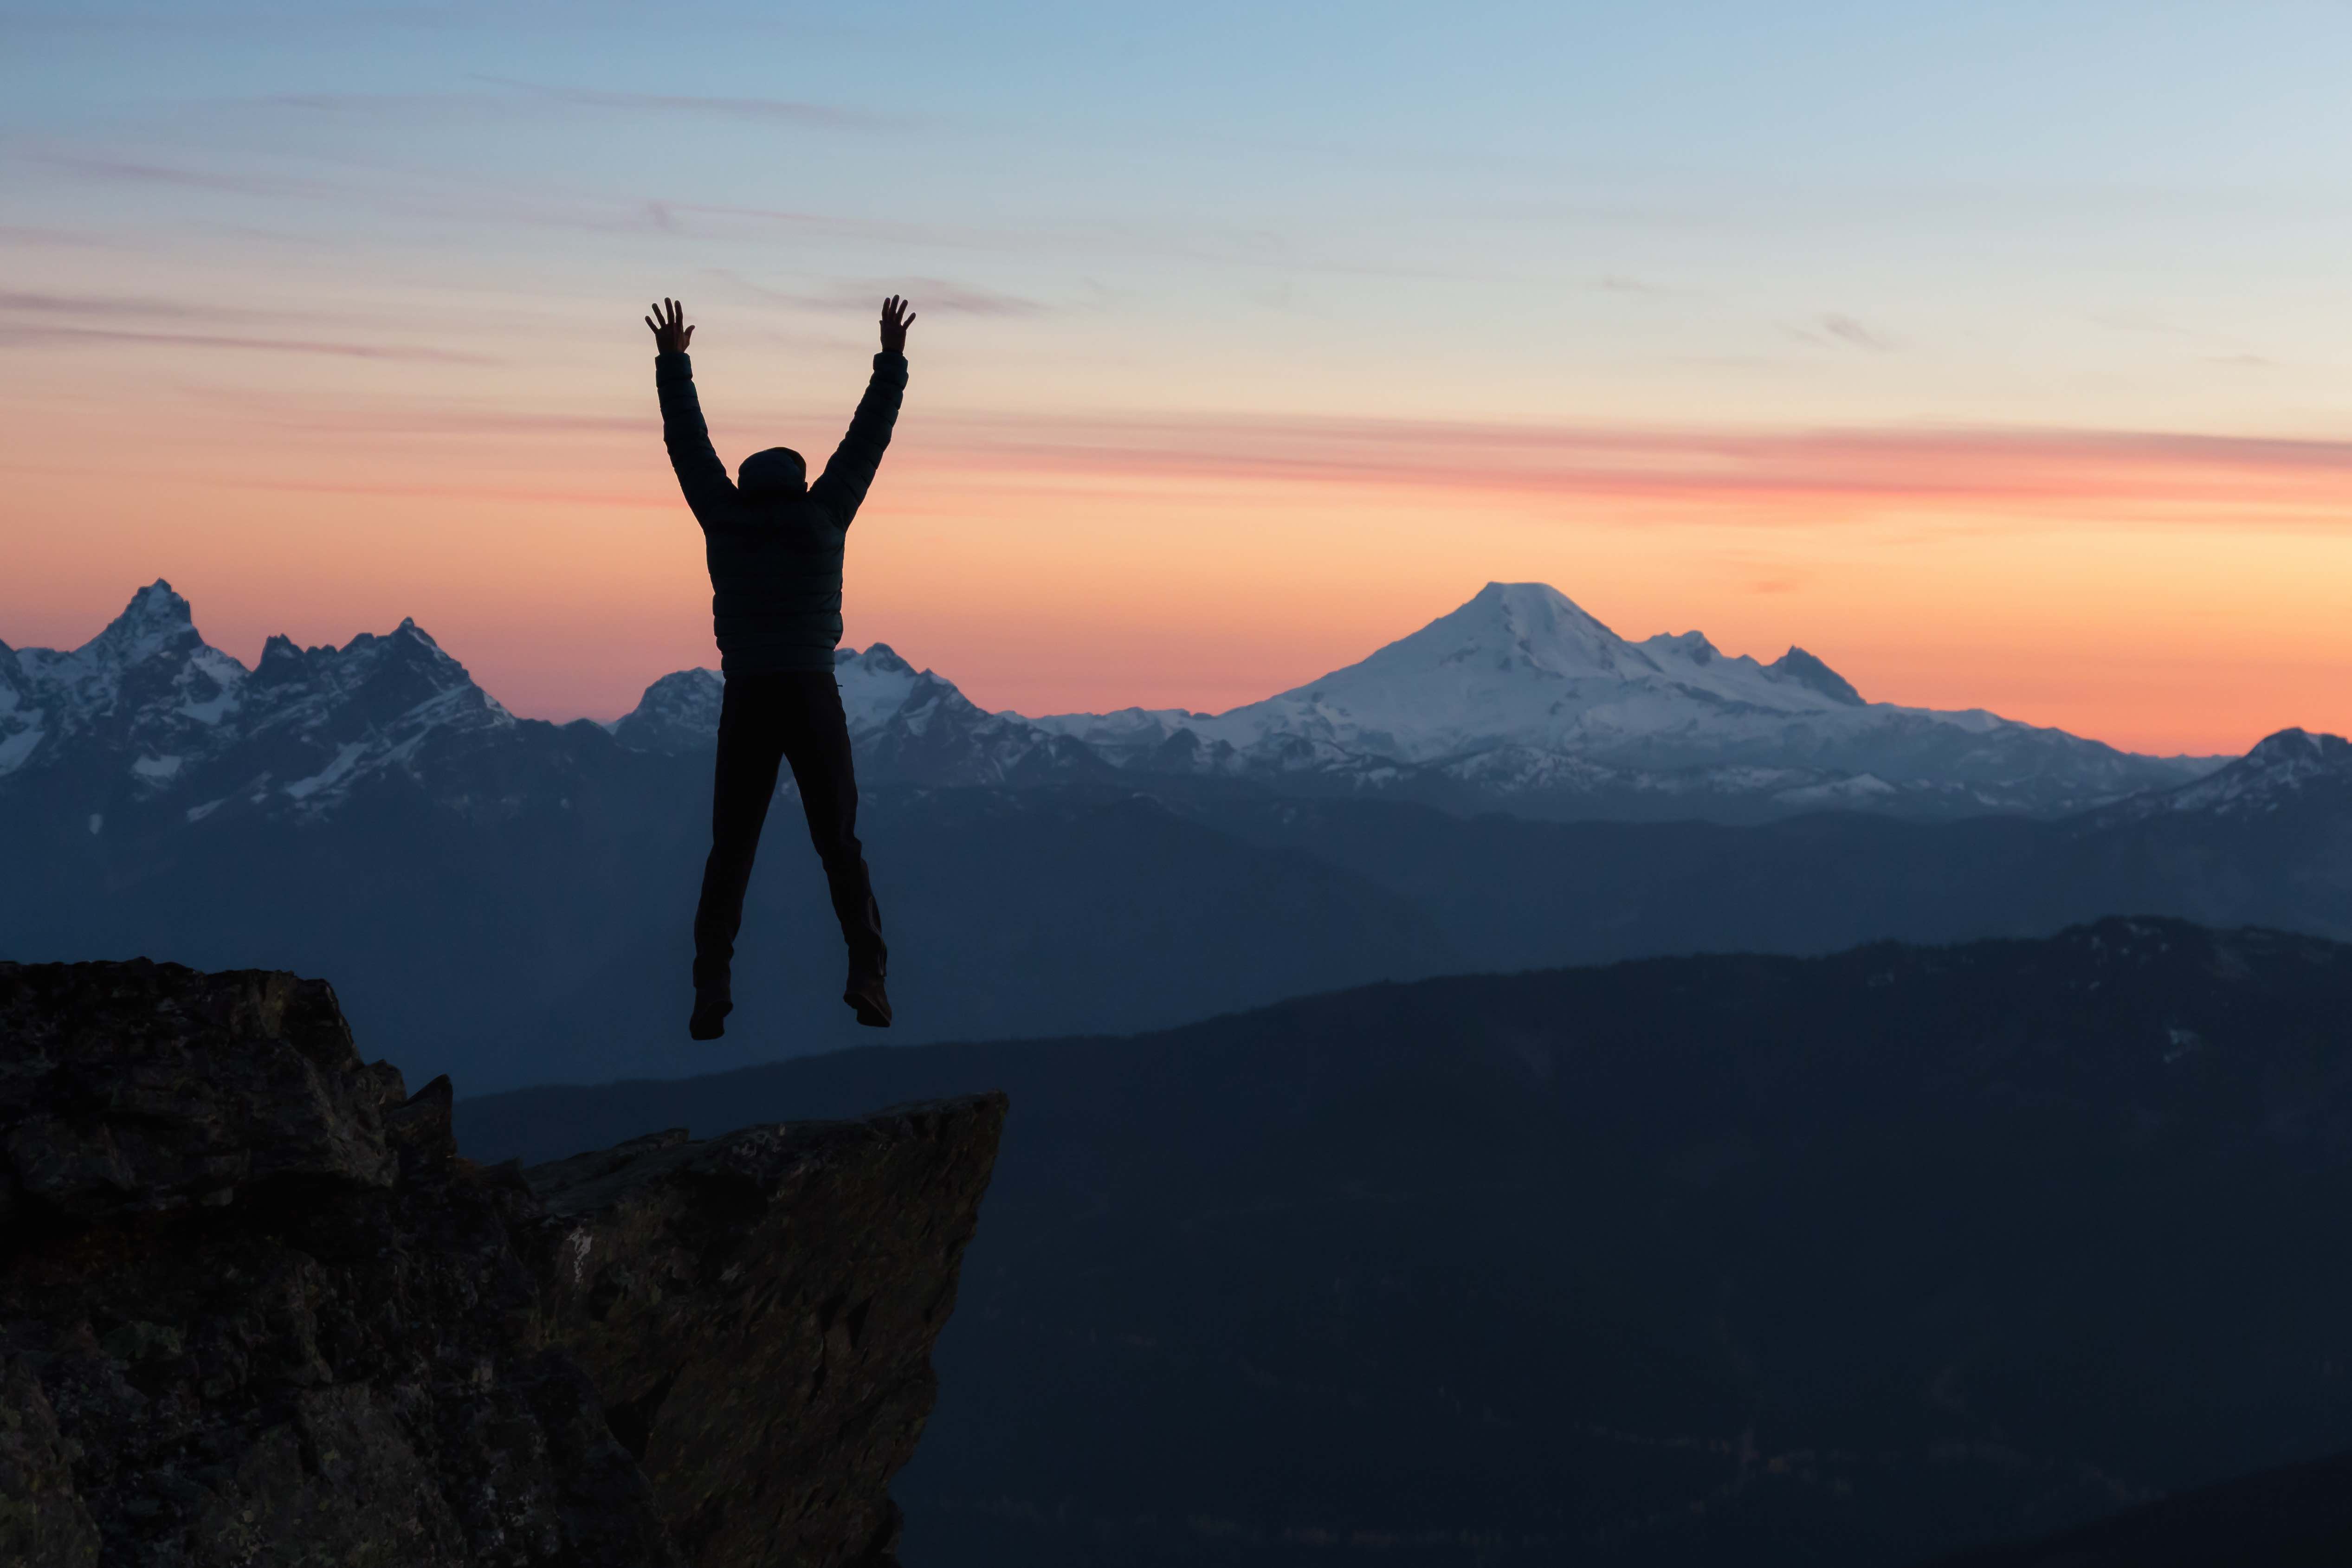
{"x": 2164, "y": 593}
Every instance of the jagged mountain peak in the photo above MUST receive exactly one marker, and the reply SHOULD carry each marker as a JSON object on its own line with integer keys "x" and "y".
{"x": 387, "y": 677}
{"x": 155, "y": 620}
{"x": 1804, "y": 669}
{"x": 2297, "y": 749}
{"x": 677, "y": 713}
{"x": 879, "y": 656}
{"x": 149, "y": 706}
{"x": 2281, "y": 769}
{"x": 908, "y": 725}
{"x": 1691, "y": 645}
{"x": 408, "y": 638}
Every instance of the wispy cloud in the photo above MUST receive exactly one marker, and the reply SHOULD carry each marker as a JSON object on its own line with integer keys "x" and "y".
{"x": 792, "y": 111}
{"x": 1622, "y": 283}
{"x": 651, "y": 498}
{"x": 1740, "y": 478}
{"x": 13, "y": 303}
{"x": 23, "y": 336}
{"x": 1775, "y": 478}
{"x": 444, "y": 197}
{"x": 1834, "y": 331}
{"x": 132, "y": 170}
{"x": 1846, "y": 330}
{"x": 36, "y": 238}
{"x": 938, "y": 295}
{"x": 30, "y": 317}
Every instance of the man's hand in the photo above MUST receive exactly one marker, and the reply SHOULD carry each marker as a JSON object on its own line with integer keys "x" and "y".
{"x": 895, "y": 320}
{"x": 671, "y": 335}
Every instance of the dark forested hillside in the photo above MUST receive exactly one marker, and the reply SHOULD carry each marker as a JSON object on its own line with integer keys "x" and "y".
{"x": 1855, "y": 1259}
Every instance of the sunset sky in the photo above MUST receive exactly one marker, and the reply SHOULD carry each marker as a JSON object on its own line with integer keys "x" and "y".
{"x": 2000, "y": 354}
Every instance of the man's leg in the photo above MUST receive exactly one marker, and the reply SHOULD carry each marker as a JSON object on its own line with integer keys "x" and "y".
{"x": 750, "y": 745}
{"x": 816, "y": 741}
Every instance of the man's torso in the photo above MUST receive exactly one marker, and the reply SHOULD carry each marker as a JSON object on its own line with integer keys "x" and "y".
{"x": 775, "y": 581}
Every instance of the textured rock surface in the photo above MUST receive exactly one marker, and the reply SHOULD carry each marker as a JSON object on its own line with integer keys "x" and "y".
{"x": 141, "y": 1090}
{"x": 255, "y": 1310}
{"x": 760, "y": 1309}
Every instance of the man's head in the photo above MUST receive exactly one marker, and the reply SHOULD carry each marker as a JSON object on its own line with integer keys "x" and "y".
{"x": 777, "y": 471}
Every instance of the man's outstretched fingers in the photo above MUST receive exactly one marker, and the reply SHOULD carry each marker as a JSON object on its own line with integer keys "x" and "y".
{"x": 667, "y": 322}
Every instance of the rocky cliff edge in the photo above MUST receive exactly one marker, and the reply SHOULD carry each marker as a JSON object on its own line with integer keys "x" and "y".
{"x": 255, "y": 1310}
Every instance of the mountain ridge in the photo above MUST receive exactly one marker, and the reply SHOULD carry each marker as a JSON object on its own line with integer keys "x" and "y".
{"x": 1521, "y": 698}
{"x": 1517, "y": 701}
{"x": 369, "y": 811}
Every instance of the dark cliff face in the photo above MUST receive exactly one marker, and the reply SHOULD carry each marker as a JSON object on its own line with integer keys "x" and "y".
{"x": 255, "y": 1310}
{"x": 759, "y": 1311}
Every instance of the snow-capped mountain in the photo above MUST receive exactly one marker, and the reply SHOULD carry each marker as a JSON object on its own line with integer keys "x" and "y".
{"x": 907, "y": 725}
{"x": 1518, "y": 700}
{"x": 1521, "y": 696}
{"x": 678, "y": 713}
{"x": 148, "y": 709}
{"x": 495, "y": 889}
{"x": 147, "y": 713}
{"x": 2283, "y": 771}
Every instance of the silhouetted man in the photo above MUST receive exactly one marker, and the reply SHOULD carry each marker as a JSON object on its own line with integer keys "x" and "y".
{"x": 774, "y": 544}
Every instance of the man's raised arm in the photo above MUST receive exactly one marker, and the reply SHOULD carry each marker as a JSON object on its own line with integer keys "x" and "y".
{"x": 841, "y": 489}
{"x": 700, "y": 473}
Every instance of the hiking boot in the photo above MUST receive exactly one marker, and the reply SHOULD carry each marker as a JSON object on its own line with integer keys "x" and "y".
{"x": 709, "y": 1020}
{"x": 865, "y": 993}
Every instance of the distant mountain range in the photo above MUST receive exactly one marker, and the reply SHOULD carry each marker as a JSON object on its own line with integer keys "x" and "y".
{"x": 1517, "y": 701}
{"x": 369, "y": 812}
{"x": 1846, "y": 1262}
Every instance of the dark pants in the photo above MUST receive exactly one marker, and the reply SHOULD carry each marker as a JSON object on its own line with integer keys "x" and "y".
{"x": 765, "y": 719}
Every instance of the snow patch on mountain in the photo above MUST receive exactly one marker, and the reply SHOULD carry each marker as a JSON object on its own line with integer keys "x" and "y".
{"x": 878, "y": 687}
{"x": 17, "y": 745}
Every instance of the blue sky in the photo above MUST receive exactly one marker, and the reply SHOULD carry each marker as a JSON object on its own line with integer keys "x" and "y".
{"x": 1703, "y": 218}
{"x": 2071, "y": 211}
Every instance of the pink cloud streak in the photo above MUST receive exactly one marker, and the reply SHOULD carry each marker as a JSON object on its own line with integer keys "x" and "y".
{"x": 1848, "y": 469}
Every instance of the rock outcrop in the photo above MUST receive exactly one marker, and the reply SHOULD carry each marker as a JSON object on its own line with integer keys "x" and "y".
{"x": 759, "y": 1312}
{"x": 255, "y": 1310}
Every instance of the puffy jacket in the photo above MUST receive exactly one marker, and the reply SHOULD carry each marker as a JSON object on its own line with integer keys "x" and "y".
{"x": 773, "y": 543}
